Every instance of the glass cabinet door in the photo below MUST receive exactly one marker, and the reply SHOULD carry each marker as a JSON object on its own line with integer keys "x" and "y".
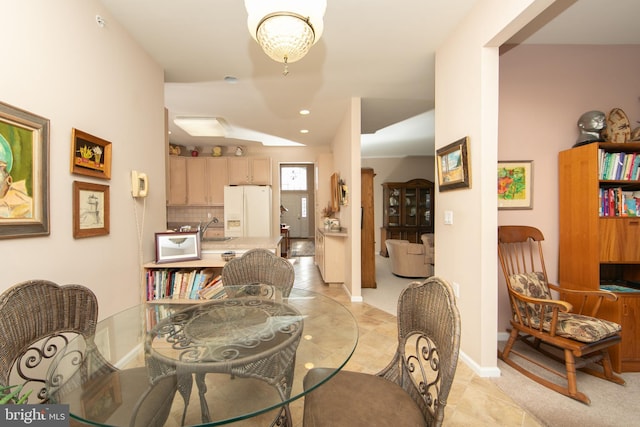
{"x": 394, "y": 207}
{"x": 411, "y": 207}
{"x": 425, "y": 210}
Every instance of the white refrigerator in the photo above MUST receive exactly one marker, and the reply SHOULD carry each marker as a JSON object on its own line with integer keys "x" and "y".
{"x": 247, "y": 211}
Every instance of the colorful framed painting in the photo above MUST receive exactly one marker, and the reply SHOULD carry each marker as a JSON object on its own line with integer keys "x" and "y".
{"x": 453, "y": 165}
{"x": 24, "y": 173}
{"x": 90, "y": 155}
{"x": 91, "y": 207}
{"x": 515, "y": 184}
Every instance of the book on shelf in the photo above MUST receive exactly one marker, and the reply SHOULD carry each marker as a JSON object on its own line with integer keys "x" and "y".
{"x": 175, "y": 283}
{"x": 213, "y": 290}
{"x": 618, "y": 202}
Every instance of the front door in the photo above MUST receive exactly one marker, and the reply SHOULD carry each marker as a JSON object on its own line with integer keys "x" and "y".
{"x": 297, "y": 215}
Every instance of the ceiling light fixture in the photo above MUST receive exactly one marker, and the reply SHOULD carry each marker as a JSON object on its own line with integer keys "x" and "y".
{"x": 202, "y": 126}
{"x": 285, "y": 29}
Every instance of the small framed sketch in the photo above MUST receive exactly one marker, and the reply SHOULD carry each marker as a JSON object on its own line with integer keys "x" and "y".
{"x": 453, "y": 165}
{"x": 515, "y": 184}
{"x": 90, "y": 209}
{"x": 90, "y": 155}
{"x": 177, "y": 246}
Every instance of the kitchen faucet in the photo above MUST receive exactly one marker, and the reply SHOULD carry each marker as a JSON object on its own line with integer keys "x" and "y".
{"x": 202, "y": 230}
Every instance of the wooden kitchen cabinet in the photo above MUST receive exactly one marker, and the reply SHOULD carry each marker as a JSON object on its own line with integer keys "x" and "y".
{"x": 249, "y": 170}
{"x": 330, "y": 254}
{"x": 206, "y": 178}
{"x": 177, "y": 189}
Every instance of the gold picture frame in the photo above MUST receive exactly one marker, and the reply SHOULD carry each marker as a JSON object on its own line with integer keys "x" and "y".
{"x": 24, "y": 173}
{"x": 453, "y": 165}
{"x": 336, "y": 192}
{"x": 91, "y": 208}
{"x": 90, "y": 155}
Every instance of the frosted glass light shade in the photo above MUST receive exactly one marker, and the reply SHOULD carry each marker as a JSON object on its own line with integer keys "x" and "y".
{"x": 285, "y": 29}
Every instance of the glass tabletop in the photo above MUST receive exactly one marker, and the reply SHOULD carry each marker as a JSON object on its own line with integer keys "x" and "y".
{"x": 209, "y": 363}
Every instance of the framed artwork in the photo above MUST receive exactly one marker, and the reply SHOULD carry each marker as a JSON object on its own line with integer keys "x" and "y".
{"x": 24, "y": 173}
{"x": 90, "y": 155}
{"x": 515, "y": 184}
{"x": 90, "y": 209}
{"x": 453, "y": 165}
{"x": 177, "y": 246}
{"x": 336, "y": 192}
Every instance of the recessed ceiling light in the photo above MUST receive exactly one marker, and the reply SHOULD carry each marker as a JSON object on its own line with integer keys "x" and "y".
{"x": 304, "y": 130}
{"x": 305, "y": 112}
{"x": 202, "y": 126}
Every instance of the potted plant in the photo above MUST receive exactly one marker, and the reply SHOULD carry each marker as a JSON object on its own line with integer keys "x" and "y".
{"x": 7, "y": 396}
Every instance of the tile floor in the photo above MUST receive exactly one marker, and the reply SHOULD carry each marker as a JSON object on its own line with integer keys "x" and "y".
{"x": 473, "y": 401}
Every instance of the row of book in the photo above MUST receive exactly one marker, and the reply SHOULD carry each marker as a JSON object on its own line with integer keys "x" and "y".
{"x": 173, "y": 283}
{"x": 619, "y": 166}
{"x": 617, "y": 202}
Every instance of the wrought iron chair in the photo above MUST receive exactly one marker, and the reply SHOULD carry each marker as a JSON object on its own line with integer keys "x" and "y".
{"x": 260, "y": 266}
{"x": 39, "y": 319}
{"x": 412, "y": 389}
{"x": 575, "y": 338}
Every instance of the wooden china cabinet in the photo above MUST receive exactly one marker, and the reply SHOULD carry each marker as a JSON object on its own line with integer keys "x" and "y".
{"x": 407, "y": 211}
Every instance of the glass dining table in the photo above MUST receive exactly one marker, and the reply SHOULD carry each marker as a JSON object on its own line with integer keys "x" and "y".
{"x": 241, "y": 356}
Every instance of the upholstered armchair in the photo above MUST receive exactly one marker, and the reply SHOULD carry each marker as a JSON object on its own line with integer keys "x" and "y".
{"x": 411, "y": 259}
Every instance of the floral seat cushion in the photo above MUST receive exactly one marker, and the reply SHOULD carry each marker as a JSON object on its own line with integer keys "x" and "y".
{"x": 570, "y": 325}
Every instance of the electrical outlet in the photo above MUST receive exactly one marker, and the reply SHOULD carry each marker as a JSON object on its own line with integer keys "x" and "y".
{"x": 456, "y": 289}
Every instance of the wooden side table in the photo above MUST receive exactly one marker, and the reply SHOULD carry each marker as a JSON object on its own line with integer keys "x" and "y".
{"x": 284, "y": 247}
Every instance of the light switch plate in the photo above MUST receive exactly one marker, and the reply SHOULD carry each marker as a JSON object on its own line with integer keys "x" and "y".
{"x": 448, "y": 217}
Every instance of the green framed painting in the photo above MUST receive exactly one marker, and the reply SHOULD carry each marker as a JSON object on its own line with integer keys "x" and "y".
{"x": 24, "y": 173}
{"x": 515, "y": 184}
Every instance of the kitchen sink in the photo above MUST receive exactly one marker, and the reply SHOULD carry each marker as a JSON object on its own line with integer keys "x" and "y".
{"x": 216, "y": 239}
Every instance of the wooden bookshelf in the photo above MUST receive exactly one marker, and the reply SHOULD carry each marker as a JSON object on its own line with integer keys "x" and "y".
{"x": 600, "y": 248}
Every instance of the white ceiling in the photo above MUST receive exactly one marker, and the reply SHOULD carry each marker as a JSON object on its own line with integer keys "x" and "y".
{"x": 382, "y": 53}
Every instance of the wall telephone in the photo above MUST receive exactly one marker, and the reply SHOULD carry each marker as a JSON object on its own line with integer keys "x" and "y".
{"x": 139, "y": 184}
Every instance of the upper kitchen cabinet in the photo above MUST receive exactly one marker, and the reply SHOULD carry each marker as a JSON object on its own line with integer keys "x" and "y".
{"x": 177, "y": 191}
{"x": 249, "y": 171}
{"x": 206, "y": 178}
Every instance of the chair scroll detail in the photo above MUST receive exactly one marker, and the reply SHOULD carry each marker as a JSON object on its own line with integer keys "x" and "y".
{"x": 573, "y": 336}
{"x": 412, "y": 389}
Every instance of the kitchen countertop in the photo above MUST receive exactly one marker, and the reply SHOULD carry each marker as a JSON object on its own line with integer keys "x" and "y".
{"x": 342, "y": 232}
{"x": 240, "y": 243}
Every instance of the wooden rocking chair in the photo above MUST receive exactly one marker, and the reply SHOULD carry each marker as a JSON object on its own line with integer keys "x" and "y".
{"x": 538, "y": 319}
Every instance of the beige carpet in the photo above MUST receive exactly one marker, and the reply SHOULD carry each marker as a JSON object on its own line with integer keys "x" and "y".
{"x": 612, "y": 405}
{"x": 385, "y": 296}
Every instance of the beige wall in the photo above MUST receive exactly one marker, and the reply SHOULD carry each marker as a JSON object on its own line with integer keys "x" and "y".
{"x": 60, "y": 65}
{"x": 467, "y": 105}
{"x": 396, "y": 169}
{"x": 346, "y": 162}
{"x": 543, "y": 92}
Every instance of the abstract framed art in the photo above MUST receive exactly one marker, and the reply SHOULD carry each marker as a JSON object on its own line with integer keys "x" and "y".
{"x": 515, "y": 184}
{"x": 24, "y": 173}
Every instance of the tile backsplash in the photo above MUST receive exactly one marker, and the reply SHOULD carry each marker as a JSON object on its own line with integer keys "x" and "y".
{"x": 178, "y": 216}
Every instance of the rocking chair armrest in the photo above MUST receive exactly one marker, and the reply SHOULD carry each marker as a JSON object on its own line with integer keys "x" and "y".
{"x": 563, "y": 306}
{"x": 607, "y": 295}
